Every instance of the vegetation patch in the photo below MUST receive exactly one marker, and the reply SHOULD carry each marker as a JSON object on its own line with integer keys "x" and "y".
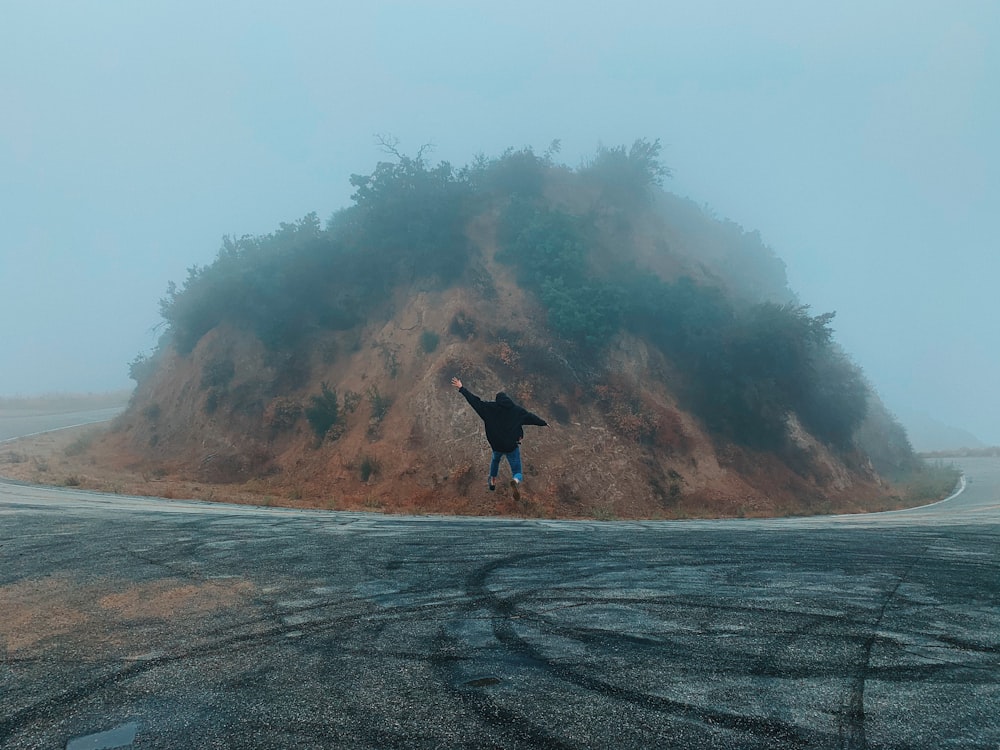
{"x": 80, "y": 444}
{"x": 282, "y": 414}
{"x": 322, "y": 411}
{"x": 390, "y": 357}
{"x": 462, "y": 326}
{"x": 351, "y": 399}
{"x": 368, "y": 467}
{"x": 429, "y": 341}
{"x": 216, "y": 373}
{"x": 929, "y": 483}
{"x": 380, "y": 405}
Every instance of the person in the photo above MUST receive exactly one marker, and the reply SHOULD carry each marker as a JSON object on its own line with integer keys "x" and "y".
{"x": 503, "y": 419}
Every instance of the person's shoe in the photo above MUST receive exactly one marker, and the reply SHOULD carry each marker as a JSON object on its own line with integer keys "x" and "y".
{"x": 491, "y": 485}
{"x": 515, "y": 489}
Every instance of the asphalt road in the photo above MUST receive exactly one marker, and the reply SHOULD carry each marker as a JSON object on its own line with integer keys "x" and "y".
{"x": 164, "y": 624}
{"x": 16, "y": 423}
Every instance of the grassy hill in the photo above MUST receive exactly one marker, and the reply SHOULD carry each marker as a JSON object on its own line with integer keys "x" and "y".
{"x": 679, "y": 373}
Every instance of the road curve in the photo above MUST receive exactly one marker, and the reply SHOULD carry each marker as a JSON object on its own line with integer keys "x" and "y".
{"x": 172, "y": 624}
{"x": 24, "y": 423}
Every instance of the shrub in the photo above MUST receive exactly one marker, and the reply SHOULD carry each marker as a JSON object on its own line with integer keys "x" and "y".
{"x": 390, "y": 357}
{"x": 515, "y": 172}
{"x": 883, "y": 439}
{"x": 543, "y": 244}
{"x": 559, "y": 412}
{"x": 322, "y": 412}
{"x": 462, "y": 325}
{"x": 929, "y": 482}
{"x": 368, "y": 467}
{"x": 587, "y": 315}
{"x": 80, "y": 445}
{"x": 429, "y": 341}
{"x": 351, "y": 399}
{"x": 414, "y": 216}
{"x": 506, "y": 354}
{"x": 380, "y": 404}
{"x": 282, "y": 414}
{"x": 627, "y": 177}
{"x": 217, "y": 373}
{"x": 549, "y": 250}
{"x": 141, "y": 367}
{"x": 834, "y": 402}
{"x": 212, "y": 401}
{"x": 626, "y": 413}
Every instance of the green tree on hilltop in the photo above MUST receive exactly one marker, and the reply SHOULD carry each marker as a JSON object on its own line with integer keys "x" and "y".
{"x": 627, "y": 178}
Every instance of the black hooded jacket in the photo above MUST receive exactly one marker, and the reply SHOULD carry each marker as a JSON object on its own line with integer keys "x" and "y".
{"x": 503, "y": 419}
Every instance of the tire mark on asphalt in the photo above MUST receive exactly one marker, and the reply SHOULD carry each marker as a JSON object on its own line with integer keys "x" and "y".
{"x": 185, "y": 573}
{"x": 505, "y": 611}
{"x": 513, "y": 724}
{"x": 851, "y": 720}
{"x": 233, "y": 643}
{"x": 757, "y": 727}
{"x": 768, "y": 665}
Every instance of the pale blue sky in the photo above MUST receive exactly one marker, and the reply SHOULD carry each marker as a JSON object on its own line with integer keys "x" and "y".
{"x": 859, "y": 138}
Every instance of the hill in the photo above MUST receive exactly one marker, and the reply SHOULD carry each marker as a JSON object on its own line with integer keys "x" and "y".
{"x": 679, "y": 373}
{"x": 929, "y": 435}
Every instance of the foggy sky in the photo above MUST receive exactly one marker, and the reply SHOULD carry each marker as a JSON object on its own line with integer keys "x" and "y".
{"x": 859, "y": 138}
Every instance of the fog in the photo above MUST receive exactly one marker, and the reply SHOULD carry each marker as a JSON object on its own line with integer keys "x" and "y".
{"x": 859, "y": 138}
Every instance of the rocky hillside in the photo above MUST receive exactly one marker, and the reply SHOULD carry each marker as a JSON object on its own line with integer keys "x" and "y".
{"x": 679, "y": 375}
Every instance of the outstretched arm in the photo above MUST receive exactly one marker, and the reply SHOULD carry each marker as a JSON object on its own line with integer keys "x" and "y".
{"x": 474, "y": 401}
{"x": 532, "y": 418}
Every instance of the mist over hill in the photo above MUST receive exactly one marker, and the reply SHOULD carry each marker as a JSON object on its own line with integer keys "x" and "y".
{"x": 680, "y": 373}
{"x": 928, "y": 434}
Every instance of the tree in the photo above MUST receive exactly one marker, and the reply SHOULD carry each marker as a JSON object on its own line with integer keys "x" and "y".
{"x": 413, "y": 216}
{"x": 627, "y": 177}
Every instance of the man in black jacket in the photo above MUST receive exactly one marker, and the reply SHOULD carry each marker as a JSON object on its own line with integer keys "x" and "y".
{"x": 503, "y": 419}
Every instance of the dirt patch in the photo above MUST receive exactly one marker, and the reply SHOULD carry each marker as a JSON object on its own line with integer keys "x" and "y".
{"x": 88, "y": 620}
{"x": 37, "y": 609}
{"x": 169, "y": 598}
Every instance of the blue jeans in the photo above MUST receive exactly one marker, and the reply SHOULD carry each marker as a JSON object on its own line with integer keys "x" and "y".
{"x": 513, "y": 458}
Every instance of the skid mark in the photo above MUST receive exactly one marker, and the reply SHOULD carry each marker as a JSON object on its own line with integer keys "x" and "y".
{"x": 852, "y": 718}
{"x": 508, "y": 615}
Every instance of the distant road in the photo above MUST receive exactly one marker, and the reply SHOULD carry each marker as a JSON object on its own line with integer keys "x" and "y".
{"x": 15, "y": 423}
{"x": 190, "y": 625}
